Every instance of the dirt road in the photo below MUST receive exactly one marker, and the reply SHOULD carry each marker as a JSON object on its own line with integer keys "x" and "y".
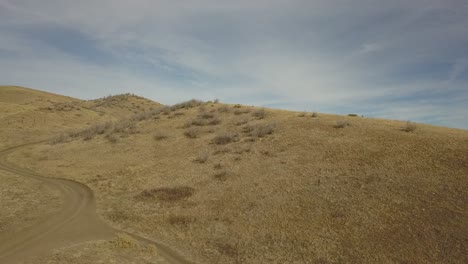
{"x": 76, "y": 222}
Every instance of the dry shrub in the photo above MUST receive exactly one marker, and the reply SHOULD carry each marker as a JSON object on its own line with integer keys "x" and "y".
{"x": 353, "y": 115}
{"x": 203, "y": 120}
{"x": 62, "y": 138}
{"x": 314, "y": 114}
{"x": 241, "y": 111}
{"x": 202, "y": 156}
{"x": 112, "y": 138}
{"x": 223, "y": 109}
{"x": 124, "y": 241}
{"x": 214, "y": 121}
{"x": 167, "y": 194}
{"x": 227, "y": 249}
{"x": 124, "y": 126}
{"x": 341, "y": 124}
{"x": 241, "y": 121}
{"x": 206, "y": 115}
{"x": 160, "y": 135}
{"x": 225, "y": 138}
{"x": 303, "y": 114}
{"x": 221, "y": 150}
{"x": 260, "y": 129}
{"x": 180, "y": 220}
{"x": 260, "y": 113}
{"x": 221, "y": 174}
{"x": 237, "y": 106}
{"x": 191, "y": 132}
{"x": 409, "y": 127}
{"x": 187, "y": 104}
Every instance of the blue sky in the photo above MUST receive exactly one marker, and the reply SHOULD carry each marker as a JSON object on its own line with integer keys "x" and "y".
{"x": 398, "y": 59}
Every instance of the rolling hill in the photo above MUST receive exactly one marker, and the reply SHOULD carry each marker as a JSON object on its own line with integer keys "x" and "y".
{"x": 238, "y": 184}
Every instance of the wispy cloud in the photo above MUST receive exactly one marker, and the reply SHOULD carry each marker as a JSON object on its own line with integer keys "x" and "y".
{"x": 391, "y": 59}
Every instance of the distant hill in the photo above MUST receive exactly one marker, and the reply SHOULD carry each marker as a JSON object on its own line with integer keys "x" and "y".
{"x": 27, "y": 114}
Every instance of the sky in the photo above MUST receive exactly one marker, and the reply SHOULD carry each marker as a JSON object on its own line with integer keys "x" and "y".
{"x": 399, "y": 59}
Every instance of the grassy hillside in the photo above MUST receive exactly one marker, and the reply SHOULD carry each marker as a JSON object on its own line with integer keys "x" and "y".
{"x": 237, "y": 184}
{"x": 28, "y": 115}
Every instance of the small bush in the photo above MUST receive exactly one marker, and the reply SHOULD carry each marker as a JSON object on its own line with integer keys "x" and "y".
{"x": 191, "y": 132}
{"x": 160, "y": 135}
{"x": 241, "y": 121}
{"x": 123, "y": 240}
{"x": 167, "y": 194}
{"x": 206, "y": 115}
{"x": 303, "y": 114}
{"x": 260, "y": 113}
{"x": 260, "y": 130}
{"x": 180, "y": 220}
{"x": 223, "y": 109}
{"x": 237, "y": 106}
{"x": 409, "y": 127}
{"x": 112, "y": 138}
{"x": 341, "y": 124}
{"x": 314, "y": 114}
{"x": 222, "y": 174}
{"x": 62, "y": 138}
{"x": 187, "y": 104}
{"x": 353, "y": 115}
{"x": 214, "y": 121}
{"x": 225, "y": 138}
{"x": 202, "y": 156}
{"x": 241, "y": 111}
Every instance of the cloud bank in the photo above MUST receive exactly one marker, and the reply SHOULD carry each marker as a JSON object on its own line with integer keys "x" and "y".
{"x": 399, "y": 60}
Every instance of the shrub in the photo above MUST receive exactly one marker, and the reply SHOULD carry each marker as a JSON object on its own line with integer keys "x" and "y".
{"x": 353, "y": 115}
{"x": 112, "y": 138}
{"x": 187, "y": 104}
{"x": 260, "y": 130}
{"x": 214, "y": 121}
{"x": 303, "y": 114}
{"x": 237, "y": 106}
{"x": 223, "y": 109}
{"x": 241, "y": 121}
{"x": 222, "y": 174}
{"x": 62, "y": 138}
{"x": 159, "y": 135}
{"x": 409, "y": 127}
{"x": 180, "y": 220}
{"x": 202, "y": 156}
{"x": 167, "y": 194}
{"x": 206, "y": 115}
{"x": 341, "y": 124}
{"x": 241, "y": 111}
{"x": 191, "y": 132}
{"x": 314, "y": 114}
{"x": 260, "y": 113}
{"x": 225, "y": 138}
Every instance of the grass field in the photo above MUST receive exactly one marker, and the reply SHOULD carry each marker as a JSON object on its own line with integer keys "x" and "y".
{"x": 239, "y": 184}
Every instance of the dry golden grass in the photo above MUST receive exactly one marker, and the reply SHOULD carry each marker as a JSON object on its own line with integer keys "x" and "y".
{"x": 121, "y": 249}
{"x": 305, "y": 192}
{"x": 24, "y": 202}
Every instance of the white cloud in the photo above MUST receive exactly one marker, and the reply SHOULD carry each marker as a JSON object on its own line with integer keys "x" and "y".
{"x": 328, "y": 53}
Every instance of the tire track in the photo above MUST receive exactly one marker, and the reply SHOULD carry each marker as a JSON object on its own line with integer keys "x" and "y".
{"x": 76, "y": 222}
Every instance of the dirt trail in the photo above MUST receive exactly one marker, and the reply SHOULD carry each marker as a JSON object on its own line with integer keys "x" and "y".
{"x": 76, "y": 222}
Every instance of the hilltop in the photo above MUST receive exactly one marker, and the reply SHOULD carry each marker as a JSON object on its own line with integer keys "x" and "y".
{"x": 239, "y": 184}
{"x": 27, "y": 114}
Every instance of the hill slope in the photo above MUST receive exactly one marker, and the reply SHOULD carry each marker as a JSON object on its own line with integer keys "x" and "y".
{"x": 28, "y": 115}
{"x": 236, "y": 184}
